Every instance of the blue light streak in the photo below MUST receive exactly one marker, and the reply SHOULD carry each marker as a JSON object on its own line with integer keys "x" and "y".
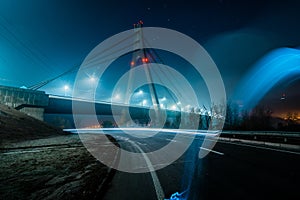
{"x": 178, "y": 196}
{"x": 276, "y": 66}
{"x": 192, "y": 167}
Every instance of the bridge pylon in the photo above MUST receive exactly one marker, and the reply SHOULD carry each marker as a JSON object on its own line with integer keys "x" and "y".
{"x": 143, "y": 57}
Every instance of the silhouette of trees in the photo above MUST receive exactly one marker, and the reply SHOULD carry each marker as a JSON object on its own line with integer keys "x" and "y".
{"x": 259, "y": 118}
{"x": 232, "y": 119}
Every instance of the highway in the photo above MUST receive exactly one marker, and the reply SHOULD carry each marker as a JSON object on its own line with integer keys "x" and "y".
{"x": 230, "y": 171}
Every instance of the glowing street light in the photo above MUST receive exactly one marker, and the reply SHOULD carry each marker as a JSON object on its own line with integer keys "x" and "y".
{"x": 66, "y": 88}
{"x": 140, "y": 92}
{"x": 163, "y": 99}
{"x": 188, "y": 107}
{"x": 117, "y": 97}
{"x": 174, "y": 107}
{"x": 92, "y": 79}
{"x": 144, "y": 102}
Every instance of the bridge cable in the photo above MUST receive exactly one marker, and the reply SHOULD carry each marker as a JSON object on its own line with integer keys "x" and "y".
{"x": 43, "y": 83}
{"x": 164, "y": 74}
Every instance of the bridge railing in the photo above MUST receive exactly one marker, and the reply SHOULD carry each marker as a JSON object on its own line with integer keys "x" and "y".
{"x": 279, "y": 137}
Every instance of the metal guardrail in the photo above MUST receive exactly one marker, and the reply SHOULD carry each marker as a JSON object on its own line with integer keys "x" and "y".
{"x": 270, "y": 133}
{"x": 265, "y": 136}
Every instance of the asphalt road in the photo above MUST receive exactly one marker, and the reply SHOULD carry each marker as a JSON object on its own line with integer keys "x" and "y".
{"x": 230, "y": 171}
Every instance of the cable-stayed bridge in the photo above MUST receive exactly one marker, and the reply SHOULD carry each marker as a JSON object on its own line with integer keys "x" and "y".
{"x": 35, "y": 102}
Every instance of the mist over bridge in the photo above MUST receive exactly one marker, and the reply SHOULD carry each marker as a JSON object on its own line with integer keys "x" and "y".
{"x": 60, "y": 105}
{"x": 38, "y": 104}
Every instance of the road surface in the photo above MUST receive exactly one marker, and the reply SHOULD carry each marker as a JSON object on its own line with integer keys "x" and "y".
{"x": 229, "y": 171}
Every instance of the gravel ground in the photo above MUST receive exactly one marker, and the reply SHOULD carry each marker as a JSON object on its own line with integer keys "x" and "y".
{"x": 38, "y": 161}
{"x": 54, "y": 168}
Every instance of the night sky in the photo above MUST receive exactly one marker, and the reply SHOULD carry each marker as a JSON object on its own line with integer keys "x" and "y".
{"x": 41, "y": 39}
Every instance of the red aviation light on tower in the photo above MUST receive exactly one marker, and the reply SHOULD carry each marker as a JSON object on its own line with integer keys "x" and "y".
{"x": 139, "y": 24}
{"x": 145, "y": 60}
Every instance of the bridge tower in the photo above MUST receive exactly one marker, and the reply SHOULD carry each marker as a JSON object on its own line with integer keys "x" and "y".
{"x": 141, "y": 56}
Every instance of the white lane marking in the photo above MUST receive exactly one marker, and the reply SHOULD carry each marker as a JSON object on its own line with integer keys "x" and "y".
{"x": 171, "y": 140}
{"x": 142, "y": 144}
{"x": 19, "y": 152}
{"x": 210, "y": 150}
{"x": 165, "y": 164}
{"x": 267, "y": 148}
{"x": 158, "y": 189}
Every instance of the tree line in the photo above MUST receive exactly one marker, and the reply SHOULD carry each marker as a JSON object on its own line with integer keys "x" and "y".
{"x": 258, "y": 119}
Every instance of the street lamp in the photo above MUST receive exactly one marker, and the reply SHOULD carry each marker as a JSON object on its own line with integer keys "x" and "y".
{"x": 117, "y": 97}
{"x": 144, "y": 102}
{"x": 188, "y": 107}
{"x": 92, "y": 79}
{"x": 140, "y": 92}
{"x": 174, "y": 107}
{"x": 66, "y": 88}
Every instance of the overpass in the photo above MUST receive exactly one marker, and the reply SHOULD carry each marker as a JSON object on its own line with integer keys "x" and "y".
{"x": 35, "y": 103}
{"x": 30, "y": 102}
